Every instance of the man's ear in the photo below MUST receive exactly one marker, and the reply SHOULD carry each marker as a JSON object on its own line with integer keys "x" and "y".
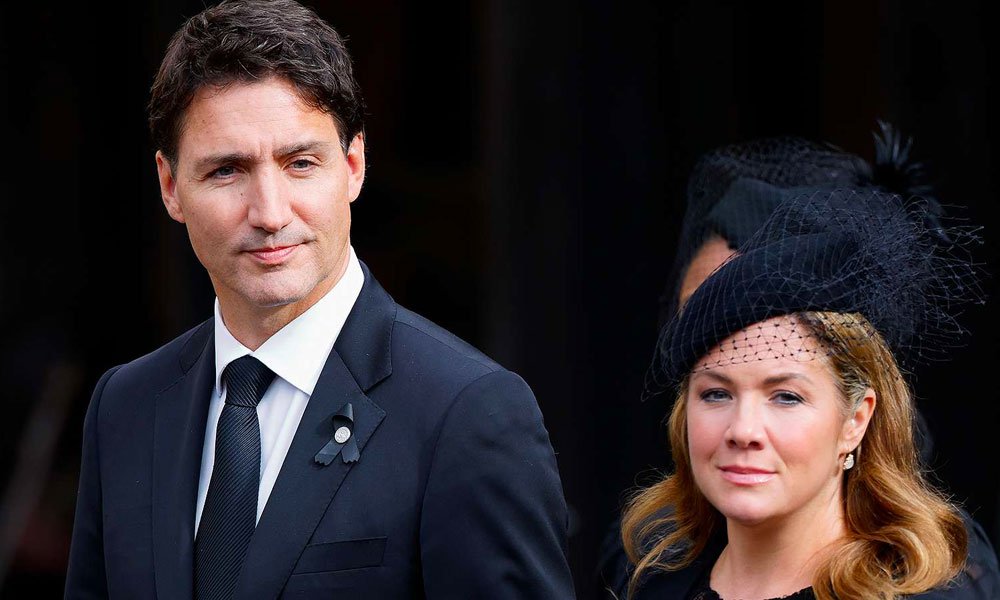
{"x": 355, "y": 166}
{"x": 857, "y": 422}
{"x": 168, "y": 187}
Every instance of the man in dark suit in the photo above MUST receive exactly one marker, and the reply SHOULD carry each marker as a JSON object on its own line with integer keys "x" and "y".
{"x": 313, "y": 439}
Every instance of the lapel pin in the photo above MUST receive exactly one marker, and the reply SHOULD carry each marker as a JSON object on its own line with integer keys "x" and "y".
{"x": 343, "y": 441}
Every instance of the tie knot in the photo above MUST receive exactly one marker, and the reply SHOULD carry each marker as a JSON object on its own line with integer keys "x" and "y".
{"x": 246, "y": 381}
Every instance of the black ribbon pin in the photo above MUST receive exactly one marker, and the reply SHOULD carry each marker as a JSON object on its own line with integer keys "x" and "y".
{"x": 343, "y": 441}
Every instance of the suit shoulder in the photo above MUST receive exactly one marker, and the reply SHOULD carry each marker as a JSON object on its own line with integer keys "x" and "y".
{"x": 416, "y": 334}
{"x": 161, "y": 367}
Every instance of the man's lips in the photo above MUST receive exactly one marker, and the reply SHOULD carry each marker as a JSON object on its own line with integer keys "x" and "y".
{"x": 746, "y": 476}
{"x": 272, "y": 256}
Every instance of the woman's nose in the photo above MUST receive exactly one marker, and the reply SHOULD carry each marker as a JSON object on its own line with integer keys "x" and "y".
{"x": 746, "y": 429}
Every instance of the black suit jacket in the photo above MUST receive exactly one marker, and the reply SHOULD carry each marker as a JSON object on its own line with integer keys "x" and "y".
{"x": 456, "y": 493}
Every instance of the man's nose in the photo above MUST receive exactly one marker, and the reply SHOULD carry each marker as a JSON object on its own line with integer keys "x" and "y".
{"x": 269, "y": 205}
{"x": 746, "y": 429}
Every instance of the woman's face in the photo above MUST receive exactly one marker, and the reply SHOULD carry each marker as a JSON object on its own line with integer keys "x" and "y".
{"x": 768, "y": 433}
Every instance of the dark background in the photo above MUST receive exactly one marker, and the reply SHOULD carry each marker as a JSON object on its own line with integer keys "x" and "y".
{"x": 526, "y": 171}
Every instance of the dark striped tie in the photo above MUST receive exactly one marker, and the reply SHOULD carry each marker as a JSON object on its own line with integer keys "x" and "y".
{"x": 230, "y": 513}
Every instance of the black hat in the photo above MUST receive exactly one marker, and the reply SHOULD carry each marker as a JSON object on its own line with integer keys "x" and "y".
{"x": 734, "y": 189}
{"x": 844, "y": 250}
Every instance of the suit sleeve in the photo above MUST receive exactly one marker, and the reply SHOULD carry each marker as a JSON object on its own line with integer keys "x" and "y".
{"x": 86, "y": 577}
{"x": 494, "y": 520}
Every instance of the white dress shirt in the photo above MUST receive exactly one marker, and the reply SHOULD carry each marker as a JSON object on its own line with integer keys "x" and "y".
{"x": 296, "y": 354}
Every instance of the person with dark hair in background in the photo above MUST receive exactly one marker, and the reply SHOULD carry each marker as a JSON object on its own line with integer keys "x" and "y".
{"x": 313, "y": 439}
{"x": 732, "y": 191}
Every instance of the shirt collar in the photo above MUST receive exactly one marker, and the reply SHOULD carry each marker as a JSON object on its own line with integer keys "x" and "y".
{"x": 298, "y": 351}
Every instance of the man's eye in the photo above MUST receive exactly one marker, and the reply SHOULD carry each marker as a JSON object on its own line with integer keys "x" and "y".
{"x": 715, "y": 396}
{"x": 302, "y": 164}
{"x": 223, "y": 172}
{"x": 787, "y": 398}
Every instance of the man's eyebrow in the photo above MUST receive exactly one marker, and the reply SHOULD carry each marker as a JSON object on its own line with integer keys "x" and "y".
{"x": 213, "y": 160}
{"x": 297, "y": 147}
{"x": 239, "y": 158}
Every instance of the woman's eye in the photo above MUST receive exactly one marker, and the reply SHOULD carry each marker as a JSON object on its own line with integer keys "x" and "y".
{"x": 715, "y": 396}
{"x": 787, "y": 398}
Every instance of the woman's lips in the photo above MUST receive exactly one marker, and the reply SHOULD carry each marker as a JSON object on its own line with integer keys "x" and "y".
{"x": 272, "y": 256}
{"x": 746, "y": 475}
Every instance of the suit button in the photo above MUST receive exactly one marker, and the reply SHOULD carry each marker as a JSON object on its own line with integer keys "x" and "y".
{"x": 342, "y": 435}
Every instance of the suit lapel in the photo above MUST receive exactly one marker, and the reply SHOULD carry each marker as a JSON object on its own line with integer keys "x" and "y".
{"x": 178, "y": 438}
{"x": 304, "y": 489}
{"x": 365, "y": 341}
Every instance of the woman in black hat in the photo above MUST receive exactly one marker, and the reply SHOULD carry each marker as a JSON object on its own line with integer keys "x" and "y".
{"x": 792, "y": 431}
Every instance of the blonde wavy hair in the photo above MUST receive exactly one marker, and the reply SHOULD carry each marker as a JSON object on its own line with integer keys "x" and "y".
{"x": 903, "y": 536}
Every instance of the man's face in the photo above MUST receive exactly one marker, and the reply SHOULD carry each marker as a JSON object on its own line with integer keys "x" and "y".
{"x": 265, "y": 189}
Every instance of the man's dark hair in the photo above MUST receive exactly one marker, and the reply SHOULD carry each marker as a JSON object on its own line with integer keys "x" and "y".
{"x": 246, "y": 41}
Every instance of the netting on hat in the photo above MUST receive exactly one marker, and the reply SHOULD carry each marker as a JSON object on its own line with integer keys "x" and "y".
{"x": 782, "y": 162}
{"x": 734, "y": 189}
{"x": 779, "y": 337}
{"x": 855, "y": 252}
